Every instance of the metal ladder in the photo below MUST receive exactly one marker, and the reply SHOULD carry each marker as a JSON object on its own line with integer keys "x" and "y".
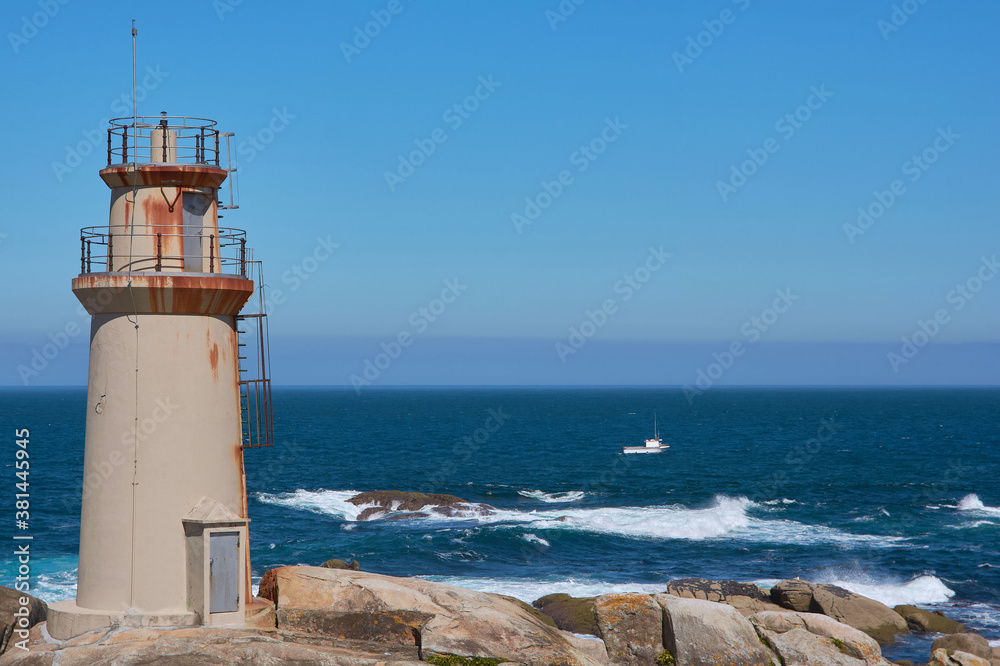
{"x": 254, "y": 361}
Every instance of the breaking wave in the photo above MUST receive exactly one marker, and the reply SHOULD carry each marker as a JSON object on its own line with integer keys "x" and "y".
{"x": 925, "y": 589}
{"x": 971, "y": 502}
{"x": 569, "y": 496}
{"x": 528, "y": 590}
{"x": 724, "y": 517}
{"x": 533, "y": 538}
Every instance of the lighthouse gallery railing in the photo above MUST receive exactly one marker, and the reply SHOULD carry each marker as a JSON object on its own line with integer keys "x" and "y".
{"x": 190, "y": 140}
{"x": 112, "y": 249}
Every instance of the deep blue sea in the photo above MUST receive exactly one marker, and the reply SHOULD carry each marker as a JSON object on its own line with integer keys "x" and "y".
{"x": 894, "y": 494}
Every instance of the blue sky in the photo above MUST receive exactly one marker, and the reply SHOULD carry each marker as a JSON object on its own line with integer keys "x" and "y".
{"x": 652, "y": 113}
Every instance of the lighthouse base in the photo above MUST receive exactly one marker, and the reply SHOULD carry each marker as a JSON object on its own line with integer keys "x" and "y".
{"x": 66, "y": 619}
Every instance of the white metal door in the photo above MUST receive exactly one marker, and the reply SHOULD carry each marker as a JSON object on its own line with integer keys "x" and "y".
{"x": 223, "y": 572}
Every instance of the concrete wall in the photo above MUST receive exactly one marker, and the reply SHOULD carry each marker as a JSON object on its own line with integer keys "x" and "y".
{"x": 188, "y": 446}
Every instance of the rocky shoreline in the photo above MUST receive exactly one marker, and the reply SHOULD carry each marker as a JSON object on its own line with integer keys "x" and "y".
{"x": 336, "y": 614}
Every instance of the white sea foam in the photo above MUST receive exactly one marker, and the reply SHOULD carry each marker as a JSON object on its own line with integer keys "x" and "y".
{"x": 329, "y": 502}
{"x": 977, "y": 523}
{"x": 783, "y": 500}
{"x": 767, "y": 583}
{"x": 725, "y": 517}
{"x": 971, "y": 502}
{"x": 533, "y": 538}
{"x": 920, "y": 590}
{"x": 985, "y": 617}
{"x": 56, "y": 586}
{"x": 569, "y": 496}
{"x": 529, "y": 590}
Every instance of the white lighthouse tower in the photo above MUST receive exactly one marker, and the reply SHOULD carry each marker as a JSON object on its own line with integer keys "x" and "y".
{"x": 170, "y": 408}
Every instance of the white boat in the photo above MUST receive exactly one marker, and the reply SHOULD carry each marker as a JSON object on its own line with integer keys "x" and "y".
{"x": 654, "y": 445}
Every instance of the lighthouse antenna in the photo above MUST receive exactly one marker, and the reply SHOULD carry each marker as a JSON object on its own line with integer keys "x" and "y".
{"x": 135, "y": 102}
{"x": 135, "y": 317}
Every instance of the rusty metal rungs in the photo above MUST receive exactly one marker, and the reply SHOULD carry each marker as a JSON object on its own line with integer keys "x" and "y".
{"x": 257, "y": 423}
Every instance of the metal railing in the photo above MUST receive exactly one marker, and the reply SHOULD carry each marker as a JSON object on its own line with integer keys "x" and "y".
{"x": 208, "y": 250}
{"x": 163, "y": 138}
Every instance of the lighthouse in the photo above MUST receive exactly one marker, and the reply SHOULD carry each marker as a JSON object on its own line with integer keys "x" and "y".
{"x": 175, "y": 390}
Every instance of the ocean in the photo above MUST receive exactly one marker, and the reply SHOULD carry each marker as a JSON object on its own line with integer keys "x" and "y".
{"x": 894, "y": 494}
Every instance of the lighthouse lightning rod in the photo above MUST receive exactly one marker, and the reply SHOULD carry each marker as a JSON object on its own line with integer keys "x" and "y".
{"x": 131, "y": 236}
{"x": 135, "y": 102}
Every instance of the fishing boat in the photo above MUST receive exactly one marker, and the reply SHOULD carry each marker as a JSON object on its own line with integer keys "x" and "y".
{"x": 654, "y": 445}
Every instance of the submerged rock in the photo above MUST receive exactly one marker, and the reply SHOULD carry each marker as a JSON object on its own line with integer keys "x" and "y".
{"x": 575, "y": 614}
{"x": 341, "y": 564}
{"x": 926, "y": 621}
{"x": 399, "y": 504}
